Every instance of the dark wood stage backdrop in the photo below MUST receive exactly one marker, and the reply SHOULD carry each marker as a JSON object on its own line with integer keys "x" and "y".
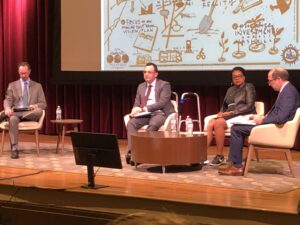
{"x": 28, "y": 30}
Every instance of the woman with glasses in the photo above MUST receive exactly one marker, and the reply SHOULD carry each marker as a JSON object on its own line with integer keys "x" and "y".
{"x": 239, "y": 100}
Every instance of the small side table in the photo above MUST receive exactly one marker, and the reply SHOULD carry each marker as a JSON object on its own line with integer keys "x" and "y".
{"x": 62, "y": 130}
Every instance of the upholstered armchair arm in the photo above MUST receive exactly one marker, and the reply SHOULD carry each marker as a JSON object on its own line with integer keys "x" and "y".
{"x": 167, "y": 124}
{"x": 126, "y": 119}
{"x": 207, "y": 119}
{"x": 281, "y": 136}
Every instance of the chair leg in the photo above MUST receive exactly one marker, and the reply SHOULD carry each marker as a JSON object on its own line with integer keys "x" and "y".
{"x": 37, "y": 142}
{"x": 2, "y": 140}
{"x": 256, "y": 154}
{"x": 248, "y": 159}
{"x": 288, "y": 156}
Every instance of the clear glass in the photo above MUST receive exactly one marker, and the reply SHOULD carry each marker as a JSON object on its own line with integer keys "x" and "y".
{"x": 58, "y": 113}
{"x": 189, "y": 126}
{"x": 173, "y": 124}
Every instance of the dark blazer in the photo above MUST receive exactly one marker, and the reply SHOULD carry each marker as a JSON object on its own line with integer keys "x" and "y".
{"x": 14, "y": 95}
{"x": 284, "y": 109}
{"x": 162, "y": 97}
{"x": 244, "y": 99}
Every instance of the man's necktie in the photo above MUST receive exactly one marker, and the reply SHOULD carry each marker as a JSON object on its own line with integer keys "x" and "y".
{"x": 145, "y": 99}
{"x": 25, "y": 94}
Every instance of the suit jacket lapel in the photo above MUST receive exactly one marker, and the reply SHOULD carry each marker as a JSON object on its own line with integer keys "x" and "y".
{"x": 19, "y": 89}
{"x": 156, "y": 89}
{"x": 277, "y": 102}
{"x": 29, "y": 92}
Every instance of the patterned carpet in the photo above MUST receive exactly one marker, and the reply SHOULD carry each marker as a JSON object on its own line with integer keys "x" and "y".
{"x": 275, "y": 178}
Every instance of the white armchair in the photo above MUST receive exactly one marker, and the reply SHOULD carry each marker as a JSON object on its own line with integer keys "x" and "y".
{"x": 274, "y": 137}
{"x": 167, "y": 124}
{"x": 25, "y": 126}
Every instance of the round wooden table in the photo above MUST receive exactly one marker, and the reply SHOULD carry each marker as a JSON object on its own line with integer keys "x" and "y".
{"x": 168, "y": 148}
{"x": 62, "y": 130}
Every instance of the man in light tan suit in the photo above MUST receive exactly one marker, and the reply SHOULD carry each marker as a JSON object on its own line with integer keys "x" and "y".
{"x": 23, "y": 94}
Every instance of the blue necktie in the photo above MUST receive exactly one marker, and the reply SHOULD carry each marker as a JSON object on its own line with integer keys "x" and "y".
{"x": 25, "y": 94}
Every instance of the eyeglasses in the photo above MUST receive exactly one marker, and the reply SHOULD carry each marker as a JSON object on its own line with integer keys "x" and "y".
{"x": 270, "y": 81}
{"x": 237, "y": 77}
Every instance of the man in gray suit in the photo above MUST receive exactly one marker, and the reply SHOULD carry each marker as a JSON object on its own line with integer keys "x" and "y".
{"x": 24, "y": 101}
{"x": 153, "y": 96}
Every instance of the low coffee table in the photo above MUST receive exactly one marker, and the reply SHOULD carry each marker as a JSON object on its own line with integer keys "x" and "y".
{"x": 168, "y": 148}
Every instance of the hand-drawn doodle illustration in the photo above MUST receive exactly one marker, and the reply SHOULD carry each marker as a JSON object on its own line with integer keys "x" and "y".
{"x": 282, "y": 5}
{"x": 188, "y": 46}
{"x": 173, "y": 26}
{"x": 256, "y": 44}
{"x": 199, "y": 34}
{"x": 275, "y": 32}
{"x": 170, "y": 56}
{"x": 245, "y": 5}
{"x": 201, "y": 54}
{"x": 143, "y": 59}
{"x": 238, "y": 53}
{"x": 225, "y": 49}
{"x": 145, "y": 39}
{"x": 207, "y": 21}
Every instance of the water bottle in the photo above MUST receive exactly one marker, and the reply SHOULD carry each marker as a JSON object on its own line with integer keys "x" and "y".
{"x": 173, "y": 124}
{"x": 189, "y": 126}
{"x": 58, "y": 113}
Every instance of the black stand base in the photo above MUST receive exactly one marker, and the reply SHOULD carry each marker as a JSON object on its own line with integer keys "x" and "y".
{"x": 87, "y": 186}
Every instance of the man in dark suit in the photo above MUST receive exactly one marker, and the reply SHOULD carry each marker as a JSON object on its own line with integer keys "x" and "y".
{"x": 23, "y": 93}
{"x": 284, "y": 109}
{"x": 153, "y": 96}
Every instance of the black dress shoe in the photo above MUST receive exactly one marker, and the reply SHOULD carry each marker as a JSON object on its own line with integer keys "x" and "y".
{"x": 14, "y": 154}
{"x": 2, "y": 116}
{"x": 128, "y": 158}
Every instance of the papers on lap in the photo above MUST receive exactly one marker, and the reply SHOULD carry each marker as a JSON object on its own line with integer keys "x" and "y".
{"x": 21, "y": 109}
{"x": 244, "y": 120}
{"x": 141, "y": 114}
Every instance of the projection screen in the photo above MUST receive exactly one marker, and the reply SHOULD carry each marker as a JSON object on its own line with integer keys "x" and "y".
{"x": 180, "y": 35}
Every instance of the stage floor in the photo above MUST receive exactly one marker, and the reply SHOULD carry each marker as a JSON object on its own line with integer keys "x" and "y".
{"x": 130, "y": 194}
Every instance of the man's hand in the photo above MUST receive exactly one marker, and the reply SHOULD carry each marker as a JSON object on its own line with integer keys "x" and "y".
{"x": 34, "y": 106}
{"x": 224, "y": 114}
{"x": 8, "y": 112}
{"x": 257, "y": 118}
{"x": 135, "y": 111}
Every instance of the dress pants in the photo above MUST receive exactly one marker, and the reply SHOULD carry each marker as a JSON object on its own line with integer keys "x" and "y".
{"x": 14, "y": 120}
{"x": 154, "y": 122}
{"x": 237, "y": 137}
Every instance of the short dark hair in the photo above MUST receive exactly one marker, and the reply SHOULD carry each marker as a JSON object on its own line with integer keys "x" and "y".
{"x": 280, "y": 72}
{"x": 24, "y": 64}
{"x": 154, "y": 65}
{"x": 241, "y": 69}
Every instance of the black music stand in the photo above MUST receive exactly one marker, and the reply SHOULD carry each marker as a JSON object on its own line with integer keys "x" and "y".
{"x": 95, "y": 149}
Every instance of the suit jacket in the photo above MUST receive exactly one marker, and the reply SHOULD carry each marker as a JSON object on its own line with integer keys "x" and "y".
{"x": 14, "y": 95}
{"x": 162, "y": 97}
{"x": 284, "y": 109}
{"x": 244, "y": 99}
